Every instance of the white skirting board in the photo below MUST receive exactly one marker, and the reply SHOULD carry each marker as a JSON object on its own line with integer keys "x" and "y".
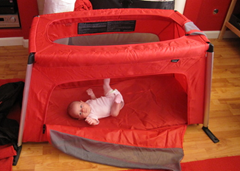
{"x": 214, "y": 34}
{"x": 14, "y": 41}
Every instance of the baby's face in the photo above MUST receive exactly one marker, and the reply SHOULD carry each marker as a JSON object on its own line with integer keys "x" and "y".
{"x": 81, "y": 110}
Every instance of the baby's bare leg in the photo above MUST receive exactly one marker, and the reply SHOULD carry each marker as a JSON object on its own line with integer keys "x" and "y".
{"x": 106, "y": 85}
{"x": 115, "y": 109}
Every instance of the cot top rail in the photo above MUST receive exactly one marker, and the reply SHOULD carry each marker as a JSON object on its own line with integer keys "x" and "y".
{"x": 171, "y": 27}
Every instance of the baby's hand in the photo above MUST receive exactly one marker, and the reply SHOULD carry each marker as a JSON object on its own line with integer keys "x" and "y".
{"x": 91, "y": 121}
{"x": 90, "y": 93}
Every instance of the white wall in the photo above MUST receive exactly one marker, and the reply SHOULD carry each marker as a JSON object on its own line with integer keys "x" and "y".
{"x": 180, "y": 5}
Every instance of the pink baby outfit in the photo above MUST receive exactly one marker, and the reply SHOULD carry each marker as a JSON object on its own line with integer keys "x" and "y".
{"x": 101, "y": 107}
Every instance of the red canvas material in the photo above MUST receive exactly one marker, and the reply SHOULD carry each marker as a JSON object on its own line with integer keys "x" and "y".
{"x": 7, "y": 153}
{"x": 151, "y": 130}
{"x": 58, "y": 64}
{"x": 162, "y": 83}
{"x": 5, "y": 81}
{"x": 217, "y": 164}
{"x": 82, "y": 5}
{"x": 160, "y": 138}
{"x": 139, "y": 123}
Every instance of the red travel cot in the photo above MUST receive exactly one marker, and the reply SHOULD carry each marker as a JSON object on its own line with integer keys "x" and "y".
{"x": 158, "y": 59}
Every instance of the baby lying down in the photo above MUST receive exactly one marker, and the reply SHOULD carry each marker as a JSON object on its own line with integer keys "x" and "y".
{"x": 108, "y": 105}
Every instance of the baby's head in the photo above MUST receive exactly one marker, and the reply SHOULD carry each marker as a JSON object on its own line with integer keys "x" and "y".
{"x": 78, "y": 109}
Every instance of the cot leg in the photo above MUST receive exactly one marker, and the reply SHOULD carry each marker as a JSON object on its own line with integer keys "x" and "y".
{"x": 210, "y": 134}
{"x": 24, "y": 106}
{"x": 210, "y": 56}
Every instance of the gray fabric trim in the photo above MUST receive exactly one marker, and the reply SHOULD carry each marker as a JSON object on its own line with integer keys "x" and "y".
{"x": 117, "y": 155}
{"x": 191, "y": 26}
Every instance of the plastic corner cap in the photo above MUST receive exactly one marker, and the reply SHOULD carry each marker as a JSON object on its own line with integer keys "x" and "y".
{"x": 211, "y": 47}
{"x": 31, "y": 58}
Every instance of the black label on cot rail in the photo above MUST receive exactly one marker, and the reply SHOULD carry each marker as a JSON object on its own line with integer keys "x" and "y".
{"x": 174, "y": 60}
{"x": 108, "y": 26}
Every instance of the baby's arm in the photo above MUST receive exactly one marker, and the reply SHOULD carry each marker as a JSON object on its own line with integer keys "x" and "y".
{"x": 91, "y": 121}
{"x": 90, "y": 93}
{"x": 116, "y": 106}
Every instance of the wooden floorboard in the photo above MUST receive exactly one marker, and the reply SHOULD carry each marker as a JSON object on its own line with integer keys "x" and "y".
{"x": 224, "y": 115}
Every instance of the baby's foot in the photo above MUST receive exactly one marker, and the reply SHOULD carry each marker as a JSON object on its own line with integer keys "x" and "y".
{"x": 106, "y": 81}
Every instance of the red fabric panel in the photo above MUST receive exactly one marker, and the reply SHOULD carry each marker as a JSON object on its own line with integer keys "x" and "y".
{"x": 151, "y": 108}
{"x": 82, "y": 5}
{"x": 36, "y": 108}
{"x": 7, "y": 153}
{"x": 57, "y": 64}
{"x": 48, "y": 29}
{"x": 63, "y": 56}
{"x": 40, "y": 91}
{"x": 145, "y": 107}
{"x": 168, "y": 137}
{"x": 217, "y": 164}
{"x": 5, "y": 81}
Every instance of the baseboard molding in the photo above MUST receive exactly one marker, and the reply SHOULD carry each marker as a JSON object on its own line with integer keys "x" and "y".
{"x": 215, "y": 34}
{"x": 14, "y": 41}
{"x": 25, "y": 43}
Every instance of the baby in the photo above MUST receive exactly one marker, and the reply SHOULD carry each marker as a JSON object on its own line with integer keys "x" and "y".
{"x": 108, "y": 105}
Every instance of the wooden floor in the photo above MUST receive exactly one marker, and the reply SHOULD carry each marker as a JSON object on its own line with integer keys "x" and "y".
{"x": 224, "y": 116}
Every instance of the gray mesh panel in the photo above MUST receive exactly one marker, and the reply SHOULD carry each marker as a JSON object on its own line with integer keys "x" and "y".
{"x": 117, "y": 155}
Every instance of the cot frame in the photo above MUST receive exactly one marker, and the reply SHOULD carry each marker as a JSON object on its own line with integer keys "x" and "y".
{"x": 208, "y": 86}
{"x": 207, "y": 95}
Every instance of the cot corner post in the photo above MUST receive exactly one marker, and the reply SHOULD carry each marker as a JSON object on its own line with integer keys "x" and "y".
{"x": 207, "y": 100}
{"x": 24, "y": 105}
{"x": 15, "y": 159}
